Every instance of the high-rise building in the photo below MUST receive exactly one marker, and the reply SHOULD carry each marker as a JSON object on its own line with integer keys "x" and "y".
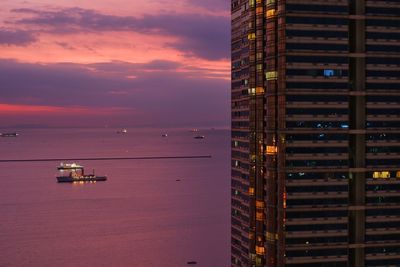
{"x": 315, "y": 133}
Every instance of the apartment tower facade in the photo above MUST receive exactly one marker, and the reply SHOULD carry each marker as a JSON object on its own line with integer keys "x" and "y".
{"x": 315, "y": 133}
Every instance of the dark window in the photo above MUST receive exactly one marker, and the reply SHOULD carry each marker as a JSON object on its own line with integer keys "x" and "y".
{"x": 316, "y": 240}
{"x": 383, "y": 124}
{"x": 316, "y": 47}
{"x": 316, "y": 85}
{"x": 314, "y": 33}
{"x": 313, "y": 20}
{"x": 316, "y": 98}
{"x": 383, "y": 60}
{"x": 383, "y": 86}
{"x": 316, "y": 8}
{"x": 317, "y": 72}
{"x": 383, "y": 48}
{"x": 317, "y": 124}
{"x": 384, "y": 162}
{"x": 392, "y": 11}
{"x": 316, "y": 111}
{"x": 316, "y": 163}
{"x": 316, "y": 214}
{"x": 315, "y": 150}
{"x": 319, "y": 59}
{"x": 383, "y": 22}
{"x": 383, "y": 35}
{"x": 311, "y": 189}
{"x": 315, "y": 175}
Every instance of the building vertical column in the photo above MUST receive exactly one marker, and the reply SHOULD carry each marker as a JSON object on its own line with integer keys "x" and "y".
{"x": 273, "y": 195}
{"x": 256, "y": 125}
{"x": 280, "y": 33}
{"x": 259, "y": 131}
{"x": 252, "y": 129}
{"x": 357, "y": 124}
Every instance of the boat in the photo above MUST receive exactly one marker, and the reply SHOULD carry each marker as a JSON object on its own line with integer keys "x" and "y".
{"x": 123, "y": 131}
{"x": 69, "y": 166}
{"x": 9, "y": 134}
{"x": 164, "y": 135}
{"x": 199, "y": 137}
{"x": 75, "y": 173}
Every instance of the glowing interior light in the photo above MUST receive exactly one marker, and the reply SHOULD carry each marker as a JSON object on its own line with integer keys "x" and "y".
{"x": 260, "y": 204}
{"x": 271, "y": 13}
{"x": 259, "y": 90}
{"x": 260, "y": 250}
{"x": 251, "y": 191}
{"x": 271, "y": 75}
{"x": 272, "y": 150}
{"x": 329, "y": 73}
{"x": 381, "y": 175}
{"x": 251, "y": 36}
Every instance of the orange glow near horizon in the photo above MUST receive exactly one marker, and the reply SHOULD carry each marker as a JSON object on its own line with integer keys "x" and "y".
{"x": 6, "y": 109}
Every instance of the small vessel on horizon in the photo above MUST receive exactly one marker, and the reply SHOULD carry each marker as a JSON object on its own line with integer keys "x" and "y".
{"x": 199, "y": 137}
{"x": 73, "y": 172}
{"x": 123, "y": 131}
{"x": 164, "y": 135}
{"x": 13, "y": 134}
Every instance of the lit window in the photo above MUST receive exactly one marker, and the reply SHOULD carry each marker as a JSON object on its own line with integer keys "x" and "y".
{"x": 329, "y": 73}
{"x": 270, "y": 236}
{"x": 271, "y": 13}
{"x": 398, "y": 174}
{"x": 251, "y": 3}
{"x": 269, "y": 2}
{"x": 251, "y": 36}
{"x": 284, "y": 200}
{"x": 251, "y": 191}
{"x": 271, "y": 75}
{"x": 259, "y": 90}
{"x": 272, "y": 150}
{"x": 259, "y": 216}
{"x": 259, "y": 204}
{"x": 260, "y": 250}
{"x": 259, "y": 10}
{"x": 332, "y": 73}
{"x": 252, "y": 91}
{"x": 381, "y": 175}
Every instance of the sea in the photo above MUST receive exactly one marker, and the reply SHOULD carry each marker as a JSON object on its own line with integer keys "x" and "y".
{"x": 150, "y": 212}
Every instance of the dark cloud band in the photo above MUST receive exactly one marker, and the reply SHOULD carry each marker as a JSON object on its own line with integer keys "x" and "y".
{"x": 16, "y": 37}
{"x": 204, "y": 36}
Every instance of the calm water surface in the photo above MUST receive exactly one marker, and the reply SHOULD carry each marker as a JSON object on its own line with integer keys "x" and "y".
{"x": 141, "y": 216}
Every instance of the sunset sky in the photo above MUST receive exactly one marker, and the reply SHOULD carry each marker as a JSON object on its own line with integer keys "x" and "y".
{"x": 120, "y": 63}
